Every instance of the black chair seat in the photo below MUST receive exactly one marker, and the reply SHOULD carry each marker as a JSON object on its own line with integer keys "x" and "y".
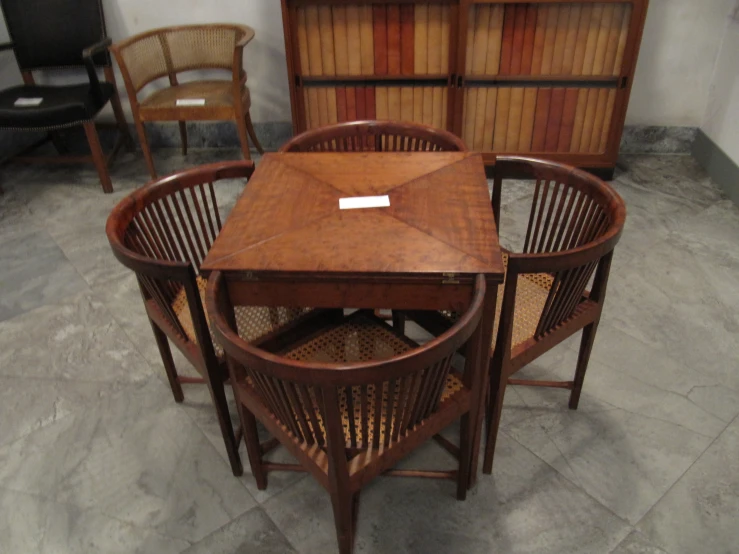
{"x": 61, "y": 105}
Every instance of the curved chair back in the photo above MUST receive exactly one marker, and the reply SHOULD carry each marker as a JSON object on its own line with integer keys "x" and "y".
{"x": 164, "y": 230}
{"x": 167, "y": 51}
{"x": 574, "y": 224}
{"x": 389, "y": 395}
{"x": 375, "y": 136}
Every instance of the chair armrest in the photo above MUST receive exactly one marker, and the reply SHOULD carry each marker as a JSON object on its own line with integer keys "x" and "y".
{"x": 238, "y": 57}
{"x": 87, "y": 55}
{"x": 6, "y": 46}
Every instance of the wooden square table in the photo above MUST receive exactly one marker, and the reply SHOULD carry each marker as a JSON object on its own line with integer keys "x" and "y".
{"x": 287, "y": 243}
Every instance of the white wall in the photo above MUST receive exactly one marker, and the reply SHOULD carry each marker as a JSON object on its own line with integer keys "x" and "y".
{"x": 721, "y": 121}
{"x": 679, "y": 48}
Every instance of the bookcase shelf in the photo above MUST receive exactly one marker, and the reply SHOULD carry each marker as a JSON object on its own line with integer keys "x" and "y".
{"x": 544, "y": 78}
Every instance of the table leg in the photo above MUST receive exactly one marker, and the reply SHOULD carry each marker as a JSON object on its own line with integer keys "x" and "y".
{"x": 480, "y": 349}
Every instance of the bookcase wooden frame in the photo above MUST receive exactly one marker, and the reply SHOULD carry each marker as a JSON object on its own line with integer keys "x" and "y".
{"x": 454, "y": 87}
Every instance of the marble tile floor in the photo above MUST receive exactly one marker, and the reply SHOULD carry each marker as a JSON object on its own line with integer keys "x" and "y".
{"x": 95, "y": 456}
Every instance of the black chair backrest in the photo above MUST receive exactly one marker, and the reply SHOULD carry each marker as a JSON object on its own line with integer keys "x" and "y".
{"x": 53, "y": 33}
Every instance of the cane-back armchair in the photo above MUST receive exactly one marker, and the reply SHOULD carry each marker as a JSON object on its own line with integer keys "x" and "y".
{"x": 351, "y": 399}
{"x": 574, "y": 224}
{"x": 61, "y": 34}
{"x": 375, "y": 136}
{"x": 163, "y": 231}
{"x": 171, "y": 51}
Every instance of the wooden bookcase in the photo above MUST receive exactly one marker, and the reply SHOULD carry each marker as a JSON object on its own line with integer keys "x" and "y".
{"x": 542, "y": 78}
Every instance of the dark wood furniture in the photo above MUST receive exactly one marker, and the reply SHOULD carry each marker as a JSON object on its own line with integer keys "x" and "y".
{"x": 163, "y": 231}
{"x": 352, "y": 399}
{"x": 541, "y": 77}
{"x": 287, "y": 243}
{"x": 575, "y": 223}
{"x": 61, "y": 34}
{"x": 375, "y": 136}
{"x": 170, "y": 51}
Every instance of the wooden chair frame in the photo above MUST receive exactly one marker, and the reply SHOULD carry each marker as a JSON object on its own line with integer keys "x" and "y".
{"x": 238, "y": 112}
{"x": 376, "y": 136}
{"x": 275, "y": 390}
{"x": 570, "y": 240}
{"x": 164, "y": 271}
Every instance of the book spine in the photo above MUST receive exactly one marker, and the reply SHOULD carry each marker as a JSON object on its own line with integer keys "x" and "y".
{"x": 303, "y": 42}
{"x": 599, "y": 120}
{"x": 420, "y": 39}
{"x": 469, "y": 116}
{"x": 613, "y": 34}
{"x": 589, "y": 120}
{"x": 366, "y": 39}
{"x": 354, "y": 46}
{"x": 549, "y": 38}
{"x": 418, "y": 104}
{"x": 351, "y": 103}
{"x": 541, "y": 114}
{"x": 537, "y": 57}
{"x": 591, "y": 44}
{"x": 623, "y": 36}
{"x": 407, "y": 40}
{"x": 494, "y": 39}
{"x": 480, "y": 41}
{"x": 608, "y": 121}
{"x": 428, "y": 105}
{"x": 601, "y": 47}
{"x": 571, "y": 39}
{"x": 434, "y": 38}
{"x": 393, "y": 103}
{"x": 554, "y": 119}
{"x": 379, "y": 12}
{"x": 381, "y": 103}
{"x": 393, "y": 39}
{"x": 445, "y": 44}
{"x": 506, "y": 47}
{"x": 341, "y": 40}
{"x": 568, "y": 120}
{"x": 406, "y": 103}
{"x": 560, "y": 39}
{"x": 502, "y": 110}
{"x": 577, "y": 126}
{"x": 527, "y": 120}
{"x": 519, "y": 32}
{"x": 341, "y": 104}
{"x": 326, "y": 24}
{"x": 529, "y": 36}
{"x": 439, "y": 107}
{"x": 479, "y": 123}
{"x": 314, "y": 40}
{"x": 360, "y": 99}
{"x": 514, "y": 119}
{"x": 583, "y": 28}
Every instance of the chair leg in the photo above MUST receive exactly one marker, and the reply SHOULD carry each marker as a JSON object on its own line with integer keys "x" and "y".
{"x": 465, "y": 457}
{"x": 218, "y": 394}
{"x": 345, "y": 511}
{"x": 169, "y": 367}
{"x": 586, "y": 346}
{"x": 183, "y": 137}
{"x": 252, "y": 134}
{"x": 98, "y": 157}
{"x": 241, "y": 128}
{"x": 253, "y": 449}
{"x": 496, "y": 394}
{"x": 120, "y": 119}
{"x": 141, "y": 130}
{"x": 399, "y": 321}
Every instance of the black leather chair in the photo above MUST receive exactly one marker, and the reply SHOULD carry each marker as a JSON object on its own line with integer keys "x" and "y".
{"x": 61, "y": 34}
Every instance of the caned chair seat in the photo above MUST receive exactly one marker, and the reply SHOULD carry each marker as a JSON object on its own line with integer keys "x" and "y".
{"x": 531, "y": 297}
{"x": 253, "y": 322}
{"x": 60, "y": 106}
{"x": 218, "y": 96}
{"x": 362, "y": 338}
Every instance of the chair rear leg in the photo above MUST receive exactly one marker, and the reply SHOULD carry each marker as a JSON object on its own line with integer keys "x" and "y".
{"x": 183, "y": 136}
{"x": 252, "y": 134}
{"x": 98, "y": 157}
{"x": 241, "y": 128}
{"x": 496, "y": 394}
{"x": 465, "y": 457}
{"x": 141, "y": 130}
{"x": 253, "y": 449}
{"x": 586, "y": 347}
{"x": 169, "y": 367}
{"x": 345, "y": 507}
{"x": 218, "y": 394}
{"x": 120, "y": 119}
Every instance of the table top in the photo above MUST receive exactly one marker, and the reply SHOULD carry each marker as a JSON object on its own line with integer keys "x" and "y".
{"x": 288, "y": 221}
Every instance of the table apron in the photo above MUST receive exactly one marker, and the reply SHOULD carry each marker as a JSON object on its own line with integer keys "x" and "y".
{"x": 401, "y": 296}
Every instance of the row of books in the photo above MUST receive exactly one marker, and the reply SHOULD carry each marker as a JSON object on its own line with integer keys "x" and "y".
{"x": 538, "y": 119}
{"x": 328, "y": 105}
{"x": 502, "y": 39}
{"x": 540, "y": 39}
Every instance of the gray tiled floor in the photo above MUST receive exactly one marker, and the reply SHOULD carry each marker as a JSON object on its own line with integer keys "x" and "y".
{"x": 96, "y": 457}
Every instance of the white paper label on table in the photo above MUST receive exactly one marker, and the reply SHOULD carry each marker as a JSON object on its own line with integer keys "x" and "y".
{"x": 27, "y": 101}
{"x": 191, "y": 101}
{"x": 364, "y": 202}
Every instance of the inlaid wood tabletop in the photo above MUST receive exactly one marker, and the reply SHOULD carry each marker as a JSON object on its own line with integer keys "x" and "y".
{"x": 438, "y": 225}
